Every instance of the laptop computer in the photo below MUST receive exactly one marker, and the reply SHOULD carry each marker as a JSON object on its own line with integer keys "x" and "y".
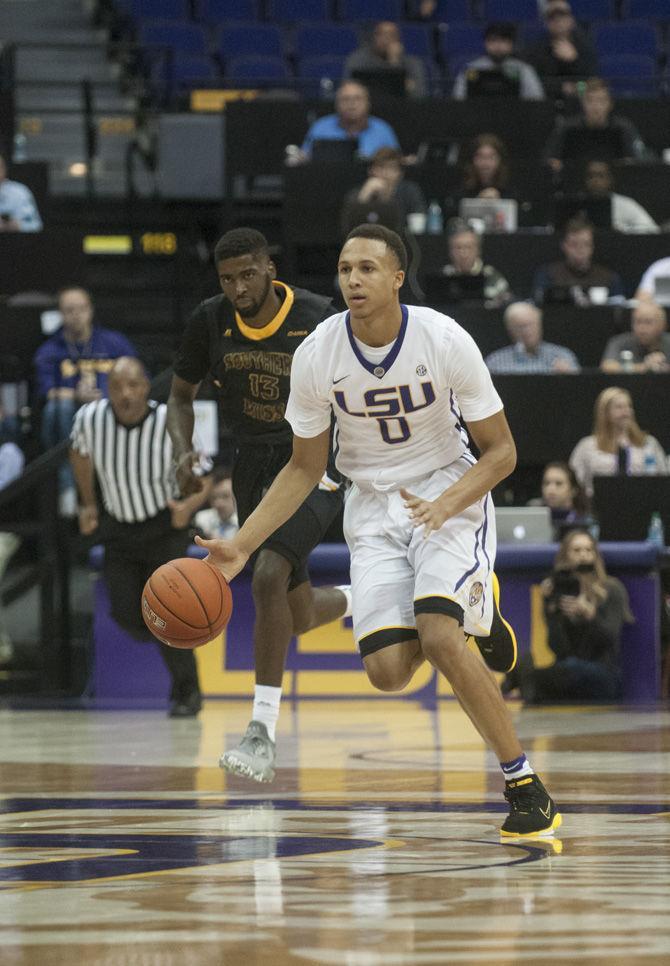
{"x": 491, "y": 83}
{"x": 623, "y": 505}
{"x": 524, "y": 524}
{"x": 496, "y": 214}
{"x": 448, "y": 289}
{"x": 598, "y": 144}
{"x": 338, "y": 150}
{"x": 662, "y": 289}
{"x": 387, "y": 81}
{"x": 598, "y": 211}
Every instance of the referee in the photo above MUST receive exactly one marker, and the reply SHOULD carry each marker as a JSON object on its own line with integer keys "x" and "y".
{"x": 123, "y": 444}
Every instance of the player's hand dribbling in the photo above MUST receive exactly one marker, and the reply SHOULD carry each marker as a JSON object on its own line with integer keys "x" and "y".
{"x": 224, "y": 555}
{"x": 430, "y": 514}
{"x": 187, "y": 480}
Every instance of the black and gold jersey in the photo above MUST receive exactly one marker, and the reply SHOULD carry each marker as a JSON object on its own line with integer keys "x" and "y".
{"x": 249, "y": 367}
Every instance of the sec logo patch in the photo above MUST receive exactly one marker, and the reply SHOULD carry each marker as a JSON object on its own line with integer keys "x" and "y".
{"x": 476, "y": 592}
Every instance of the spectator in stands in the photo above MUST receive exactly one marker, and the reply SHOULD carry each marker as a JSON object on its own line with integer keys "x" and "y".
{"x": 646, "y": 348}
{"x": 576, "y": 275}
{"x": 499, "y": 39}
{"x": 617, "y": 444}
{"x": 386, "y": 193}
{"x": 12, "y": 462}
{"x": 585, "y": 611}
{"x": 464, "y": 248}
{"x": 18, "y": 209}
{"x": 72, "y": 368}
{"x": 385, "y": 51}
{"x": 597, "y": 105}
{"x": 564, "y": 55}
{"x": 565, "y": 497}
{"x": 528, "y": 353}
{"x": 486, "y": 171}
{"x": 627, "y": 214}
{"x": 219, "y": 520}
{"x": 352, "y": 119}
{"x": 657, "y": 270}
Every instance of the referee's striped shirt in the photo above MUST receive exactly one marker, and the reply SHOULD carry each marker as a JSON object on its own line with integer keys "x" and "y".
{"x": 133, "y": 463}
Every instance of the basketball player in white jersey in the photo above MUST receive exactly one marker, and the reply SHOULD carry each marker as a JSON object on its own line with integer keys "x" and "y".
{"x": 418, "y": 517}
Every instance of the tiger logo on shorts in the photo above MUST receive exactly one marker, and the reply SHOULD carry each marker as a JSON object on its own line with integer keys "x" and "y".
{"x": 476, "y": 592}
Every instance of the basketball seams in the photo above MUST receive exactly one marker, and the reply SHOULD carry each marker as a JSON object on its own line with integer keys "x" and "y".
{"x": 196, "y": 594}
{"x": 178, "y": 617}
{"x": 186, "y": 589}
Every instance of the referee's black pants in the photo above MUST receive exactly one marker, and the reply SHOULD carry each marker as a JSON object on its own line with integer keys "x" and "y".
{"x": 132, "y": 553}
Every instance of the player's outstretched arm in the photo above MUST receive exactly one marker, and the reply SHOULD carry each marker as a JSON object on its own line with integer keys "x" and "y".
{"x": 180, "y": 420}
{"x": 290, "y": 488}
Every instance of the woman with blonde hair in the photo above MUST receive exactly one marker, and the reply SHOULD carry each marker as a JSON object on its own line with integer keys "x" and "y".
{"x": 585, "y": 610}
{"x": 617, "y": 444}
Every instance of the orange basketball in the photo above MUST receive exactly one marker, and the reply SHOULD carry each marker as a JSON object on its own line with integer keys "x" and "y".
{"x": 186, "y": 602}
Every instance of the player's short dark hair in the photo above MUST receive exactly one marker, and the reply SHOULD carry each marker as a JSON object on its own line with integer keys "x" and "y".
{"x": 391, "y": 239}
{"x": 240, "y": 241}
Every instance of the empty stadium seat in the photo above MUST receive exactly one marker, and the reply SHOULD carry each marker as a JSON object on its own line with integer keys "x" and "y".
{"x": 257, "y": 69}
{"x": 497, "y": 10}
{"x": 186, "y": 71}
{"x": 630, "y": 37}
{"x": 290, "y": 11}
{"x": 314, "y": 68}
{"x": 251, "y": 40}
{"x": 187, "y": 37}
{"x": 417, "y": 39}
{"x": 160, "y": 9}
{"x": 336, "y": 40}
{"x": 631, "y": 75}
{"x": 218, "y": 11}
{"x": 356, "y": 10}
{"x": 587, "y": 10}
{"x": 654, "y": 9}
{"x": 458, "y": 41}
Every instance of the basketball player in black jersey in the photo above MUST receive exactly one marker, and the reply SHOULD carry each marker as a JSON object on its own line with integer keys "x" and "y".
{"x": 245, "y": 340}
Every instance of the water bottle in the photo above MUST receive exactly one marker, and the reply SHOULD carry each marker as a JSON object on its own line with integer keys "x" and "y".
{"x": 627, "y": 360}
{"x": 649, "y": 462}
{"x": 20, "y": 148}
{"x": 434, "y": 219}
{"x": 656, "y": 534}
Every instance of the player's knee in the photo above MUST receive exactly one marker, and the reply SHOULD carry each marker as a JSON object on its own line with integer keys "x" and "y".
{"x": 271, "y": 577}
{"x": 304, "y": 618}
{"x": 385, "y": 676}
{"x": 442, "y": 641}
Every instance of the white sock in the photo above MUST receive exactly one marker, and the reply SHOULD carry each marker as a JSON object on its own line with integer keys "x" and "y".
{"x": 517, "y": 768}
{"x": 346, "y": 590}
{"x": 266, "y": 707}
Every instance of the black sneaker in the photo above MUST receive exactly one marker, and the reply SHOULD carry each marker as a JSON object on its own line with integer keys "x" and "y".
{"x": 499, "y": 648}
{"x": 532, "y": 812}
{"x": 186, "y": 706}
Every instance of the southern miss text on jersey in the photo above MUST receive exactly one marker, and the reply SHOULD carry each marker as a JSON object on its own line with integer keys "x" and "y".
{"x": 250, "y": 367}
{"x": 398, "y": 408}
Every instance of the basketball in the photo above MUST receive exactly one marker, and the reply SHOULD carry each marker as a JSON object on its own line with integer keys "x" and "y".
{"x": 186, "y": 603}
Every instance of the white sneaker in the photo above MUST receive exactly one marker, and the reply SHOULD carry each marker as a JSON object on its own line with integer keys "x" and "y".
{"x": 254, "y": 757}
{"x": 346, "y": 590}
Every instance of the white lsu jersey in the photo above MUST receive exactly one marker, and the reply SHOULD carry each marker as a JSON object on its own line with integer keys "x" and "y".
{"x": 398, "y": 408}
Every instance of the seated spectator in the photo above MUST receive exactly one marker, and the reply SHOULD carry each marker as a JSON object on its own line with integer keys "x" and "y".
{"x": 384, "y": 51}
{"x": 617, "y": 444}
{"x": 585, "y": 611}
{"x": 628, "y": 215}
{"x": 486, "y": 172}
{"x": 563, "y": 494}
{"x": 385, "y": 192}
{"x": 597, "y": 105}
{"x": 18, "y": 209}
{"x": 219, "y": 520}
{"x": 464, "y": 248}
{"x": 646, "y": 290}
{"x": 564, "y": 55}
{"x": 574, "y": 276}
{"x": 352, "y": 119}
{"x": 499, "y": 39}
{"x": 528, "y": 353}
{"x": 12, "y": 462}
{"x": 646, "y": 348}
{"x": 72, "y": 368}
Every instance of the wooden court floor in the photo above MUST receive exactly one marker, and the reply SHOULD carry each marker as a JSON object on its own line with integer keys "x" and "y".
{"x": 123, "y": 844}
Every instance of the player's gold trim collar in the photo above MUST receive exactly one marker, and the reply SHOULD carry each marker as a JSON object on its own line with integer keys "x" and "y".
{"x": 274, "y": 324}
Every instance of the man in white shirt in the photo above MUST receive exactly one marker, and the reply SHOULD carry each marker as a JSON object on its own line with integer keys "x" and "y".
{"x": 419, "y": 518}
{"x": 18, "y": 210}
{"x": 647, "y": 288}
{"x": 628, "y": 215}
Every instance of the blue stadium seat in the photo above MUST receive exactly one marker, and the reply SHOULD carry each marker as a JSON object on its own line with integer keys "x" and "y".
{"x": 251, "y": 40}
{"x": 218, "y": 11}
{"x": 631, "y": 37}
{"x": 453, "y": 11}
{"x": 257, "y": 69}
{"x": 460, "y": 40}
{"x": 160, "y": 9}
{"x": 417, "y": 39}
{"x": 654, "y": 9}
{"x": 357, "y": 10}
{"x": 187, "y": 71}
{"x": 314, "y": 68}
{"x": 325, "y": 40}
{"x": 497, "y": 10}
{"x": 187, "y": 37}
{"x": 290, "y": 11}
{"x": 528, "y": 33}
{"x": 631, "y": 75}
{"x": 587, "y": 10}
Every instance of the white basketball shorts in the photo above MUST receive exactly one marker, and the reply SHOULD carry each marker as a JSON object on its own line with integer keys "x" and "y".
{"x": 396, "y": 573}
